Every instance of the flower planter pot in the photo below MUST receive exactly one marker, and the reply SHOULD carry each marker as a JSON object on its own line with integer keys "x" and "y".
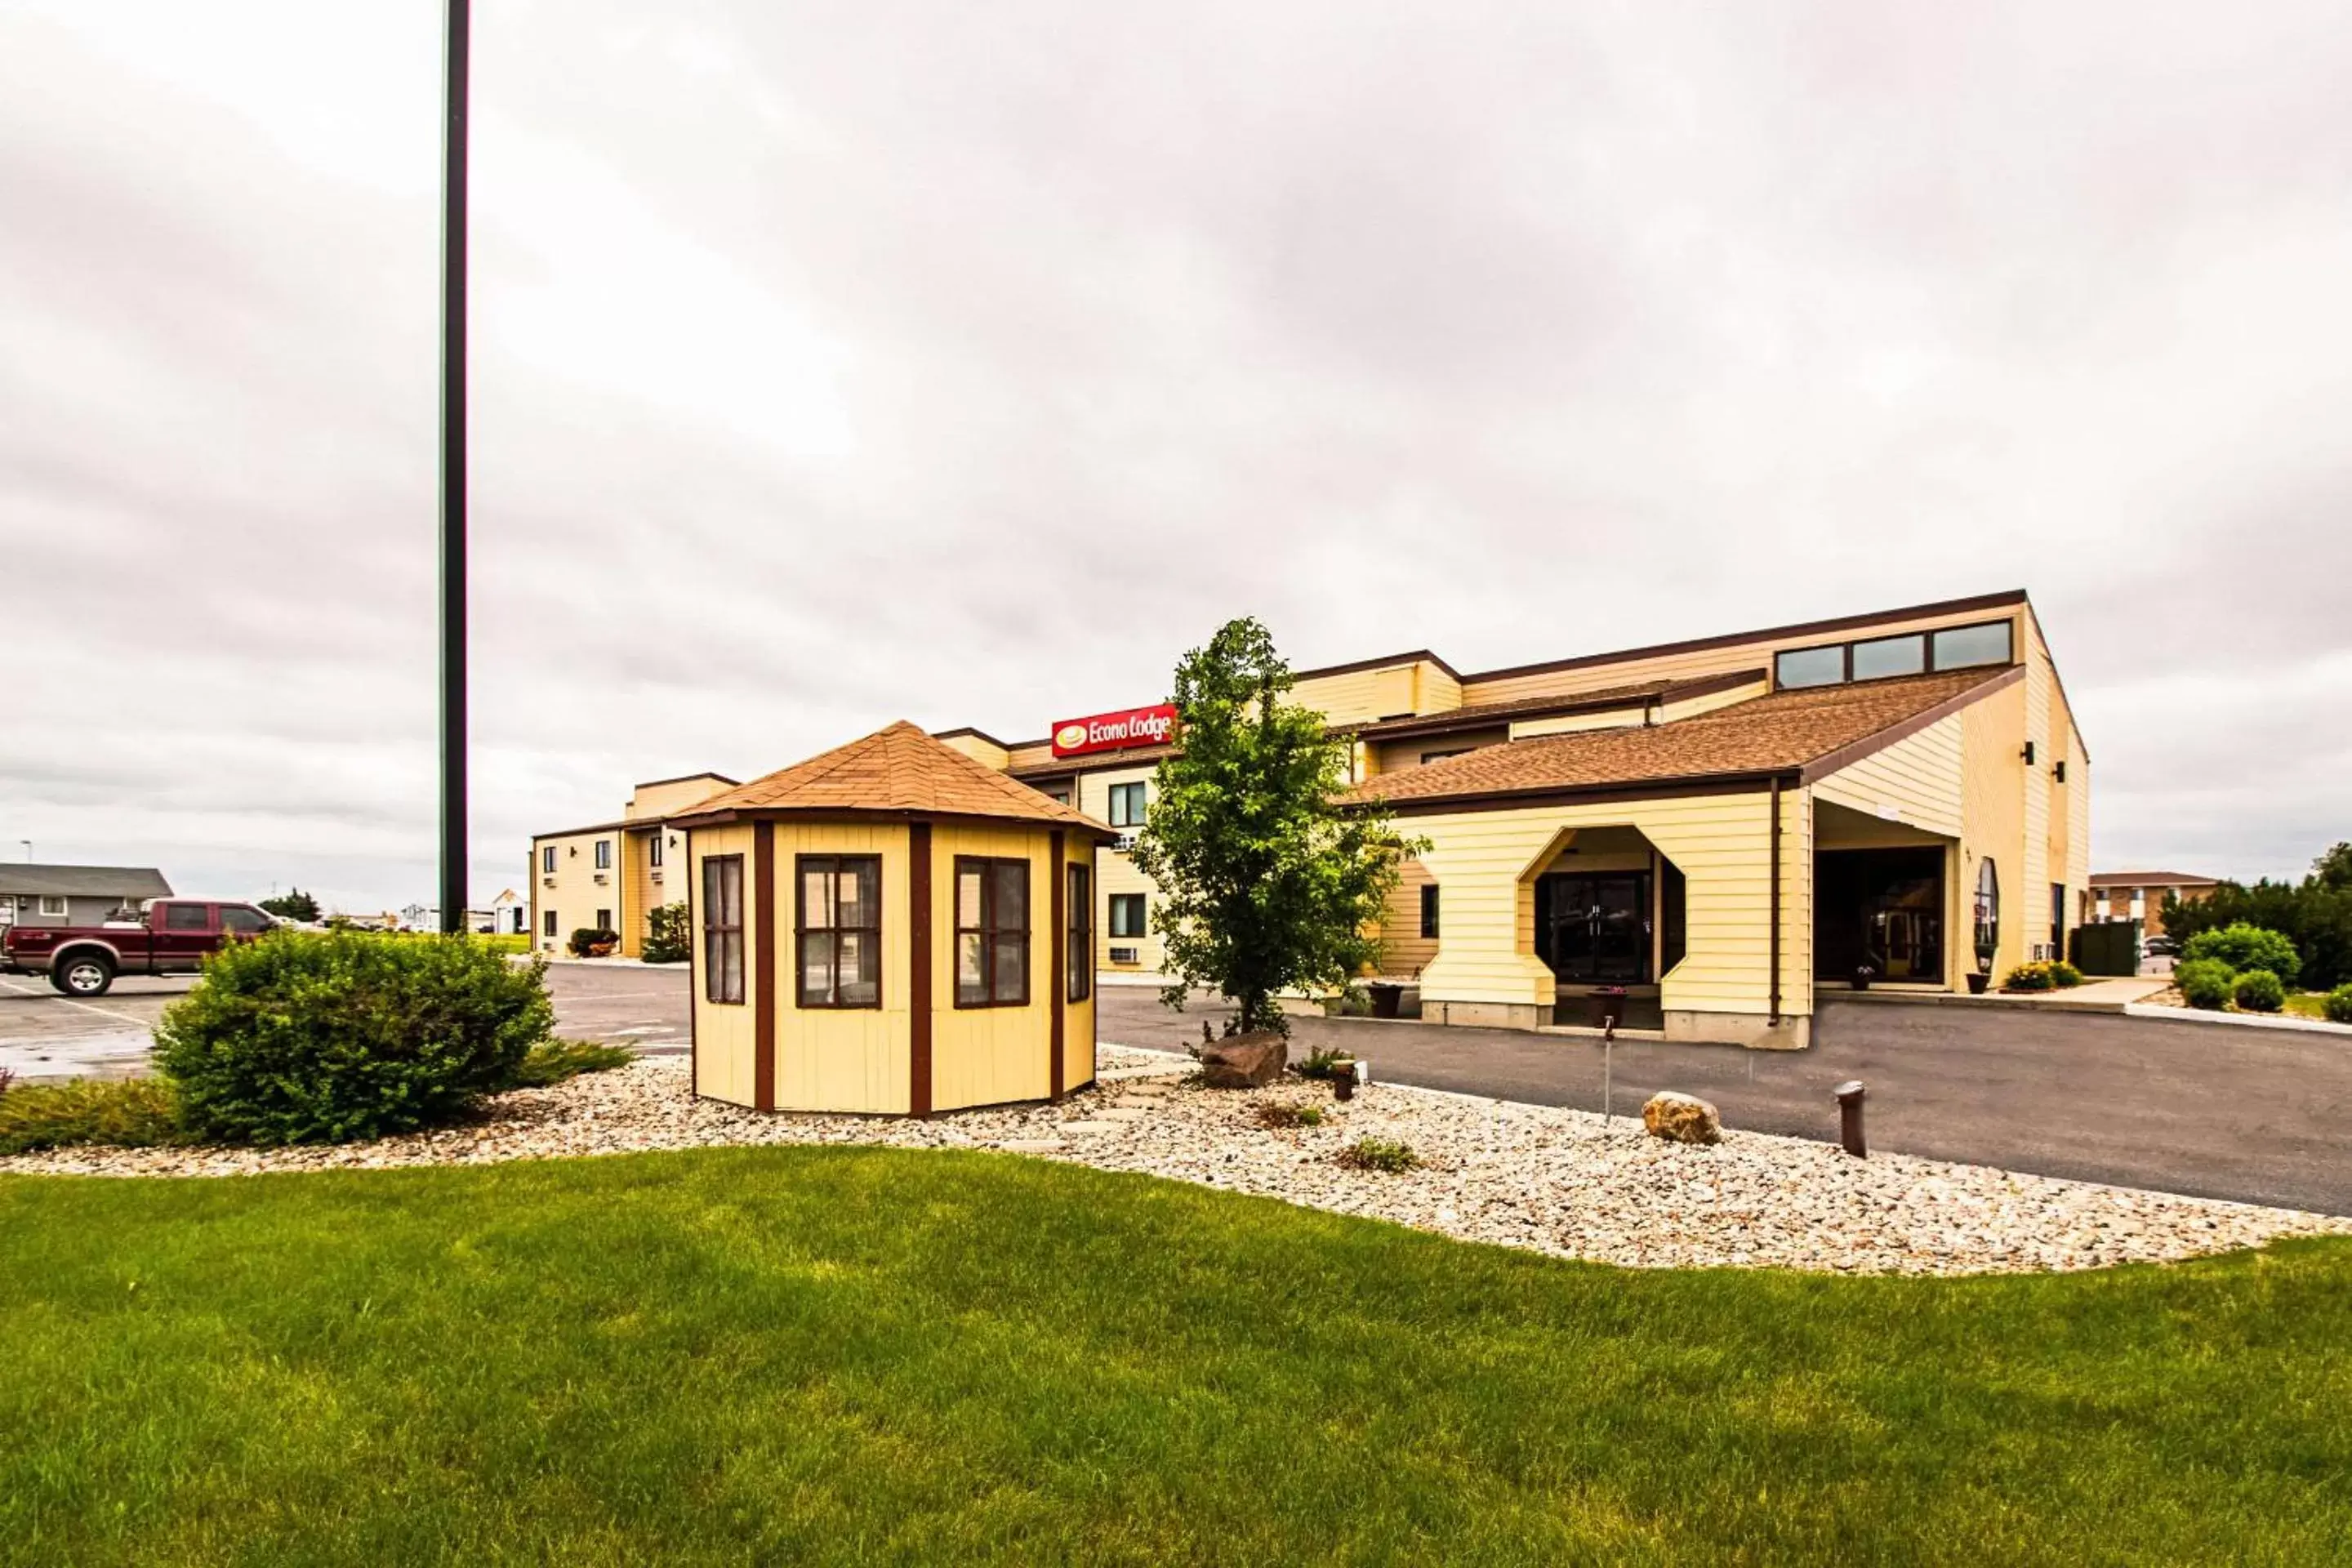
{"x": 1976, "y": 983}
{"x": 1862, "y": 980}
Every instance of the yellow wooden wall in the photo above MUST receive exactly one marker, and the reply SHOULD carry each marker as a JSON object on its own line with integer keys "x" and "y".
{"x": 987, "y": 1056}
{"x": 844, "y": 1058}
{"x": 1992, "y": 787}
{"x": 1486, "y": 862}
{"x": 1404, "y": 951}
{"x": 724, "y": 1033}
{"x": 1118, "y": 873}
{"x": 1917, "y": 779}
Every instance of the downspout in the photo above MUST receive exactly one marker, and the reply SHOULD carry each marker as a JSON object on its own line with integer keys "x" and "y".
{"x": 1774, "y": 1017}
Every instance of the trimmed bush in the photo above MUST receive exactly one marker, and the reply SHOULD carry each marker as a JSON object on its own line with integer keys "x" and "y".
{"x": 2205, "y": 983}
{"x": 2337, "y": 1007}
{"x": 668, "y": 940}
{"x": 122, "y": 1113}
{"x": 2259, "y": 990}
{"x": 1383, "y": 1154}
{"x": 587, "y": 937}
{"x": 320, "y": 1038}
{"x": 2243, "y": 947}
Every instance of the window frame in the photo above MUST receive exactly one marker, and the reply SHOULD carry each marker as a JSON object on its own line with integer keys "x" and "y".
{"x": 1078, "y": 957}
{"x": 547, "y": 924}
{"x": 653, "y": 852}
{"x": 991, "y": 934}
{"x": 204, "y": 921}
{"x": 1139, "y": 810}
{"x": 716, "y": 878}
{"x": 547, "y": 860}
{"x": 1430, "y": 916}
{"x": 1984, "y": 909}
{"x": 55, "y": 906}
{"x": 603, "y": 854}
{"x": 1930, "y": 663}
{"x": 832, "y": 864}
{"x": 1142, "y": 903}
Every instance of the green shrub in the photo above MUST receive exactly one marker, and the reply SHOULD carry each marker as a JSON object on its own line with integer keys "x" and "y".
{"x": 2205, "y": 983}
{"x": 2064, "y": 973}
{"x": 1379, "y": 1155}
{"x": 1322, "y": 1064}
{"x": 2338, "y": 1004}
{"x": 1275, "y": 1116}
{"x": 1355, "y": 1002}
{"x": 2259, "y": 990}
{"x": 123, "y": 1113}
{"x": 668, "y": 939}
{"x": 2243, "y": 947}
{"x": 552, "y": 1061}
{"x": 315, "y": 1039}
{"x": 587, "y": 937}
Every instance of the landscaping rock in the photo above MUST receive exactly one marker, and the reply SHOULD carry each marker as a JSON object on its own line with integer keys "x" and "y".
{"x": 1245, "y": 1061}
{"x": 1682, "y": 1119}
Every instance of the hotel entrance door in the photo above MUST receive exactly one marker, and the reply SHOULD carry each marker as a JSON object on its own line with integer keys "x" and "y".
{"x": 1593, "y": 928}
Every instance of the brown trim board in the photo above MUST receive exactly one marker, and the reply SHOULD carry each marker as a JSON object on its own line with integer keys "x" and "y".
{"x": 1657, "y": 789}
{"x": 763, "y": 1011}
{"x": 695, "y": 964}
{"x": 1057, "y": 977}
{"x": 1389, "y": 661}
{"x": 1903, "y": 729}
{"x": 681, "y": 778}
{"x": 919, "y": 969}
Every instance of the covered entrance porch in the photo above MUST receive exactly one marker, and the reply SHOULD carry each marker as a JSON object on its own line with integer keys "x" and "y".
{"x": 1883, "y": 902}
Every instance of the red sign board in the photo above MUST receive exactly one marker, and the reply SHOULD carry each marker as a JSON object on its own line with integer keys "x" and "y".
{"x": 1154, "y": 726}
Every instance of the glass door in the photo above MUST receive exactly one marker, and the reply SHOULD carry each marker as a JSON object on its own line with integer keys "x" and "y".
{"x": 1594, "y": 927}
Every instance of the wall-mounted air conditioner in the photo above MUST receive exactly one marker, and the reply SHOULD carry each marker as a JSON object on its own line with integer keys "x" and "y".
{"x": 1124, "y": 843}
{"x": 1122, "y": 955}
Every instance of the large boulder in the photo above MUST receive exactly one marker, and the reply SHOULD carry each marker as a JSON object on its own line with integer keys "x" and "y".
{"x": 1244, "y": 1061}
{"x": 1682, "y": 1119}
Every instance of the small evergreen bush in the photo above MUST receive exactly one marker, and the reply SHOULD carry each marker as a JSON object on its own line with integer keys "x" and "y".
{"x": 2338, "y": 1005}
{"x": 2035, "y": 976}
{"x": 322, "y": 1038}
{"x": 1323, "y": 1064}
{"x": 2243, "y": 947}
{"x": 2259, "y": 990}
{"x": 667, "y": 938}
{"x": 2205, "y": 983}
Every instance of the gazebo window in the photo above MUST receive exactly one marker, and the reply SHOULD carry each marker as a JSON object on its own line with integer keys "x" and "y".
{"x": 722, "y": 928}
{"x": 1080, "y": 945}
{"x": 838, "y": 931}
{"x": 991, "y": 931}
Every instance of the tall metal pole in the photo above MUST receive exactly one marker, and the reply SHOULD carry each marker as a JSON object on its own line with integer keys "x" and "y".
{"x": 454, "y": 877}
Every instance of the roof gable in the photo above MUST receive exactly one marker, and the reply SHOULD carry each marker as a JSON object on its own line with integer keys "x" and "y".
{"x": 899, "y": 769}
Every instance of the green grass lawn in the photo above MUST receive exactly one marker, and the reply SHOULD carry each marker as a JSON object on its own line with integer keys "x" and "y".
{"x": 857, "y": 1355}
{"x": 2307, "y": 1003}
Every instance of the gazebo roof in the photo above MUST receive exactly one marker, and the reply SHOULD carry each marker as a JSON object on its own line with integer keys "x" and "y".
{"x": 896, "y": 771}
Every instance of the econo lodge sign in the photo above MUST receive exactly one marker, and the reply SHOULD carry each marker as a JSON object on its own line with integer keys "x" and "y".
{"x": 1116, "y": 731}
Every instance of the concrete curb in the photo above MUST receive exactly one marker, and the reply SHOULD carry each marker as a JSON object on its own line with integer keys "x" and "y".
{"x": 2243, "y": 1020}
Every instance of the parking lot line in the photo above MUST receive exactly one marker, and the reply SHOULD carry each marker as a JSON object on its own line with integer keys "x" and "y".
{"x": 69, "y": 1002}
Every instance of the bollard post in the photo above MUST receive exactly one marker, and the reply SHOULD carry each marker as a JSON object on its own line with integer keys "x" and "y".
{"x": 1608, "y": 1063}
{"x": 1849, "y": 1098}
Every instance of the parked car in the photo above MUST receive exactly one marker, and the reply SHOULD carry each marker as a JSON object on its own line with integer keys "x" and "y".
{"x": 2159, "y": 947}
{"x": 171, "y": 936}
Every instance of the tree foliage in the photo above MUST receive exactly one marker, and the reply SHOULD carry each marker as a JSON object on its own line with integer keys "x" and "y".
{"x": 2315, "y": 914}
{"x": 293, "y": 904}
{"x": 1270, "y": 880}
{"x": 668, "y": 939}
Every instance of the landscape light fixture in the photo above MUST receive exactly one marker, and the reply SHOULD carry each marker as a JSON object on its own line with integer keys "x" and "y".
{"x": 453, "y": 471}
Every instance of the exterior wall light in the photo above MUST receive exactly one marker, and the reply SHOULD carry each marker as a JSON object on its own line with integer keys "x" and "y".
{"x": 2060, "y": 770}
{"x": 2029, "y": 753}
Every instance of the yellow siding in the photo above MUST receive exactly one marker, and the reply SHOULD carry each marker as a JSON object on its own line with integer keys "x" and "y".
{"x": 1404, "y": 951}
{"x": 1117, "y": 873}
{"x": 1392, "y": 692}
{"x": 1753, "y": 655}
{"x": 987, "y": 1056}
{"x": 1916, "y": 781}
{"x": 1395, "y": 756}
{"x": 979, "y": 751}
{"x": 1687, "y": 707}
{"x": 1434, "y": 691}
{"x": 1993, "y": 790}
{"x": 1486, "y": 862}
{"x": 672, "y": 797}
{"x": 847, "y": 1058}
{"x": 724, "y": 1032}
{"x": 1570, "y": 723}
{"x": 575, "y": 891}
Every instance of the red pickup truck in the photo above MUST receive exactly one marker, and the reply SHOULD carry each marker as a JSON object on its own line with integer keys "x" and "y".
{"x": 171, "y": 937}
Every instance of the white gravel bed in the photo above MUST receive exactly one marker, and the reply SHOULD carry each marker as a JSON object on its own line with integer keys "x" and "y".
{"x": 1554, "y": 1181}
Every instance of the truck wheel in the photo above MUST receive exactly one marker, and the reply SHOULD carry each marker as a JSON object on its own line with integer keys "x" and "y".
{"x": 83, "y": 975}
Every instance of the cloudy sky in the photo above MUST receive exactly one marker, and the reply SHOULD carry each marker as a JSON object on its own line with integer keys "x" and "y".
{"x": 840, "y": 363}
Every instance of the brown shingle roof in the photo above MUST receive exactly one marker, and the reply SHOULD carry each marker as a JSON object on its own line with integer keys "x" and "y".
{"x": 1783, "y": 732}
{"x": 895, "y": 769}
{"x": 1481, "y": 714}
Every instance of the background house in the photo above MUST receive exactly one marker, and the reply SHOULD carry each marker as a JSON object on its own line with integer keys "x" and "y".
{"x": 2139, "y": 895}
{"x": 75, "y": 895}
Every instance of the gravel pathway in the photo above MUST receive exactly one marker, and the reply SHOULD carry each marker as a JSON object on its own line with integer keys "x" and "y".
{"x": 1552, "y": 1179}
